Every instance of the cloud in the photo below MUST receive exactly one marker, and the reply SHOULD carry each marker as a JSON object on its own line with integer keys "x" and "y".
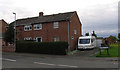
{"x": 98, "y": 15}
{"x": 101, "y": 18}
{"x": 7, "y": 9}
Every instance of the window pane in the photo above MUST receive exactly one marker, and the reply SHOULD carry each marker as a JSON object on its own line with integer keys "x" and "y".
{"x": 56, "y": 39}
{"x": 84, "y": 41}
{"x": 25, "y": 28}
{"x": 56, "y": 25}
{"x": 75, "y": 31}
{"x": 40, "y": 26}
{"x": 28, "y": 27}
{"x": 37, "y": 26}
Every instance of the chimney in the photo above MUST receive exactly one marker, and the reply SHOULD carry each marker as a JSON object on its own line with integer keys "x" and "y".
{"x": 41, "y": 14}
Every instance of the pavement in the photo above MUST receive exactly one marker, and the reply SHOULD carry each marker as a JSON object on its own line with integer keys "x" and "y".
{"x": 29, "y": 60}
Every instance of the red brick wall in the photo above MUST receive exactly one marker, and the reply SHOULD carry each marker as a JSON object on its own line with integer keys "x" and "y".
{"x": 47, "y": 32}
{"x": 5, "y": 48}
{"x": 8, "y": 48}
{"x": 3, "y": 26}
{"x": 75, "y": 24}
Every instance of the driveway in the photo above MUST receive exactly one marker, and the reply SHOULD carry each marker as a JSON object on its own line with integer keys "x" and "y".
{"x": 86, "y": 52}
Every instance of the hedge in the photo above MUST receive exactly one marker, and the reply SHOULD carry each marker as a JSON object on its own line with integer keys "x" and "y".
{"x": 57, "y": 48}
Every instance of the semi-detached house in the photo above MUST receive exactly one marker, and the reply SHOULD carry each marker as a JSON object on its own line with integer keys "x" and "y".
{"x": 3, "y": 25}
{"x": 50, "y": 28}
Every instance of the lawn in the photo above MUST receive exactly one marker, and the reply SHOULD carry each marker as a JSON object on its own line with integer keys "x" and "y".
{"x": 113, "y": 51}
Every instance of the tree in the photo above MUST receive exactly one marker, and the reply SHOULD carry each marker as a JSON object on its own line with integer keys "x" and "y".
{"x": 112, "y": 39}
{"x": 9, "y": 34}
{"x": 119, "y": 36}
{"x": 93, "y": 34}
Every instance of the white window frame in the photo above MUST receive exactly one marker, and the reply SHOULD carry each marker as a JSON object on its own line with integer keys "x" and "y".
{"x": 28, "y": 38}
{"x": 75, "y": 31}
{"x": 27, "y": 26}
{"x": 56, "y": 25}
{"x": 36, "y": 39}
{"x": 36, "y": 26}
{"x": 56, "y": 39}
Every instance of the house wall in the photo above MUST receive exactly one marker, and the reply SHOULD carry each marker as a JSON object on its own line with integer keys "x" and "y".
{"x": 48, "y": 32}
{"x": 8, "y": 48}
{"x": 0, "y": 27}
{"x": 3, "y": 25}
{"x": 75, "y": 24}
{"x": 0, "y": 33}
{"x": 4, "y": 48}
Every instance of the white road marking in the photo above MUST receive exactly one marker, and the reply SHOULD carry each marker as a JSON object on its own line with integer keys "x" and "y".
{"x": 67, "y": 66}
{"x": 44, "y": 63}
{"x": 8, "y": 59}
{"x": 56, "y": 65}
{"x": 115, "y": 63}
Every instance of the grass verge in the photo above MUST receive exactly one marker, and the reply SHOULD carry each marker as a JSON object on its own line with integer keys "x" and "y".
{"x": 113, "y": 51}
{"x": 71, "y": 52}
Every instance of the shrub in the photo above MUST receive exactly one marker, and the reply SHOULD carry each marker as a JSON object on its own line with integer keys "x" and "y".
{"x": 58, "y": 48}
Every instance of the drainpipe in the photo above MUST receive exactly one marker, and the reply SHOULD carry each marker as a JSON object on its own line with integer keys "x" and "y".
{"x": 68, "y": 35}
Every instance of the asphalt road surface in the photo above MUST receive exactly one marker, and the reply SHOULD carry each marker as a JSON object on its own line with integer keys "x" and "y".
{"x": 87, "y": 52}
{"x": 25, "y": 60}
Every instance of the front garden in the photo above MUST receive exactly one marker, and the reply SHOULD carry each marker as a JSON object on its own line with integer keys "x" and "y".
{"x": 113, "y": 51}
{"x": 56, "y": 48}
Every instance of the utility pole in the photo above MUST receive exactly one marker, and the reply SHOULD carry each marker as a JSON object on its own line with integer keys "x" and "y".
{"x": 15, "y": 33}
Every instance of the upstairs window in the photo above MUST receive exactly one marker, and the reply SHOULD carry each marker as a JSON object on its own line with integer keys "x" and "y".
{"x": 75, "y": 31}
{"x": 37, "y": 26}
{"x": 27, "y": 27}
{"x": 56, "y": 24}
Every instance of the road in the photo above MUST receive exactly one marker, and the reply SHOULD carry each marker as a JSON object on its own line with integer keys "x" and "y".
{"x": 25, "y": 60}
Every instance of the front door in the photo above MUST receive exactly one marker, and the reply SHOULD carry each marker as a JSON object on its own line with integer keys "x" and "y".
{"x": 39, "y": 40}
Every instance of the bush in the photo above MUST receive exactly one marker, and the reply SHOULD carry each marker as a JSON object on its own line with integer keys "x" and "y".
{"x": 58, "y": 48}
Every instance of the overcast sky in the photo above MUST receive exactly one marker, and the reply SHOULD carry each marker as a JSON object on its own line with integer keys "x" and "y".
{"x": 98, "y": 15}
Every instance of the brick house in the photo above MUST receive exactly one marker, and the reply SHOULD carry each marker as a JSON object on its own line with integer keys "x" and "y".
{"x": 50, "y": 28}
{"x": 4, "y": 46}
{"x": 3, "y": 25}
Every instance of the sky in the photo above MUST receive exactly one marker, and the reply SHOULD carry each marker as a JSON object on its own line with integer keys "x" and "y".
{"x": 98, "y": 15}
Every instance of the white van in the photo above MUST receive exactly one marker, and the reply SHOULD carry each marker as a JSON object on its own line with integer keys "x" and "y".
{"x": 86, "y": 42}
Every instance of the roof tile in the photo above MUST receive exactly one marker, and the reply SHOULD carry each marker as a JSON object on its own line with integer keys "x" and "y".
{"x": 45, "y": 18}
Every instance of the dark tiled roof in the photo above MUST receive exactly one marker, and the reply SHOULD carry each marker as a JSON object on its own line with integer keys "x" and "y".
{"x": 45, "y": 19}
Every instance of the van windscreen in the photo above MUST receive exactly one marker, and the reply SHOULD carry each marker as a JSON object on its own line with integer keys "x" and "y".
{"x": 84, "y": 41}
